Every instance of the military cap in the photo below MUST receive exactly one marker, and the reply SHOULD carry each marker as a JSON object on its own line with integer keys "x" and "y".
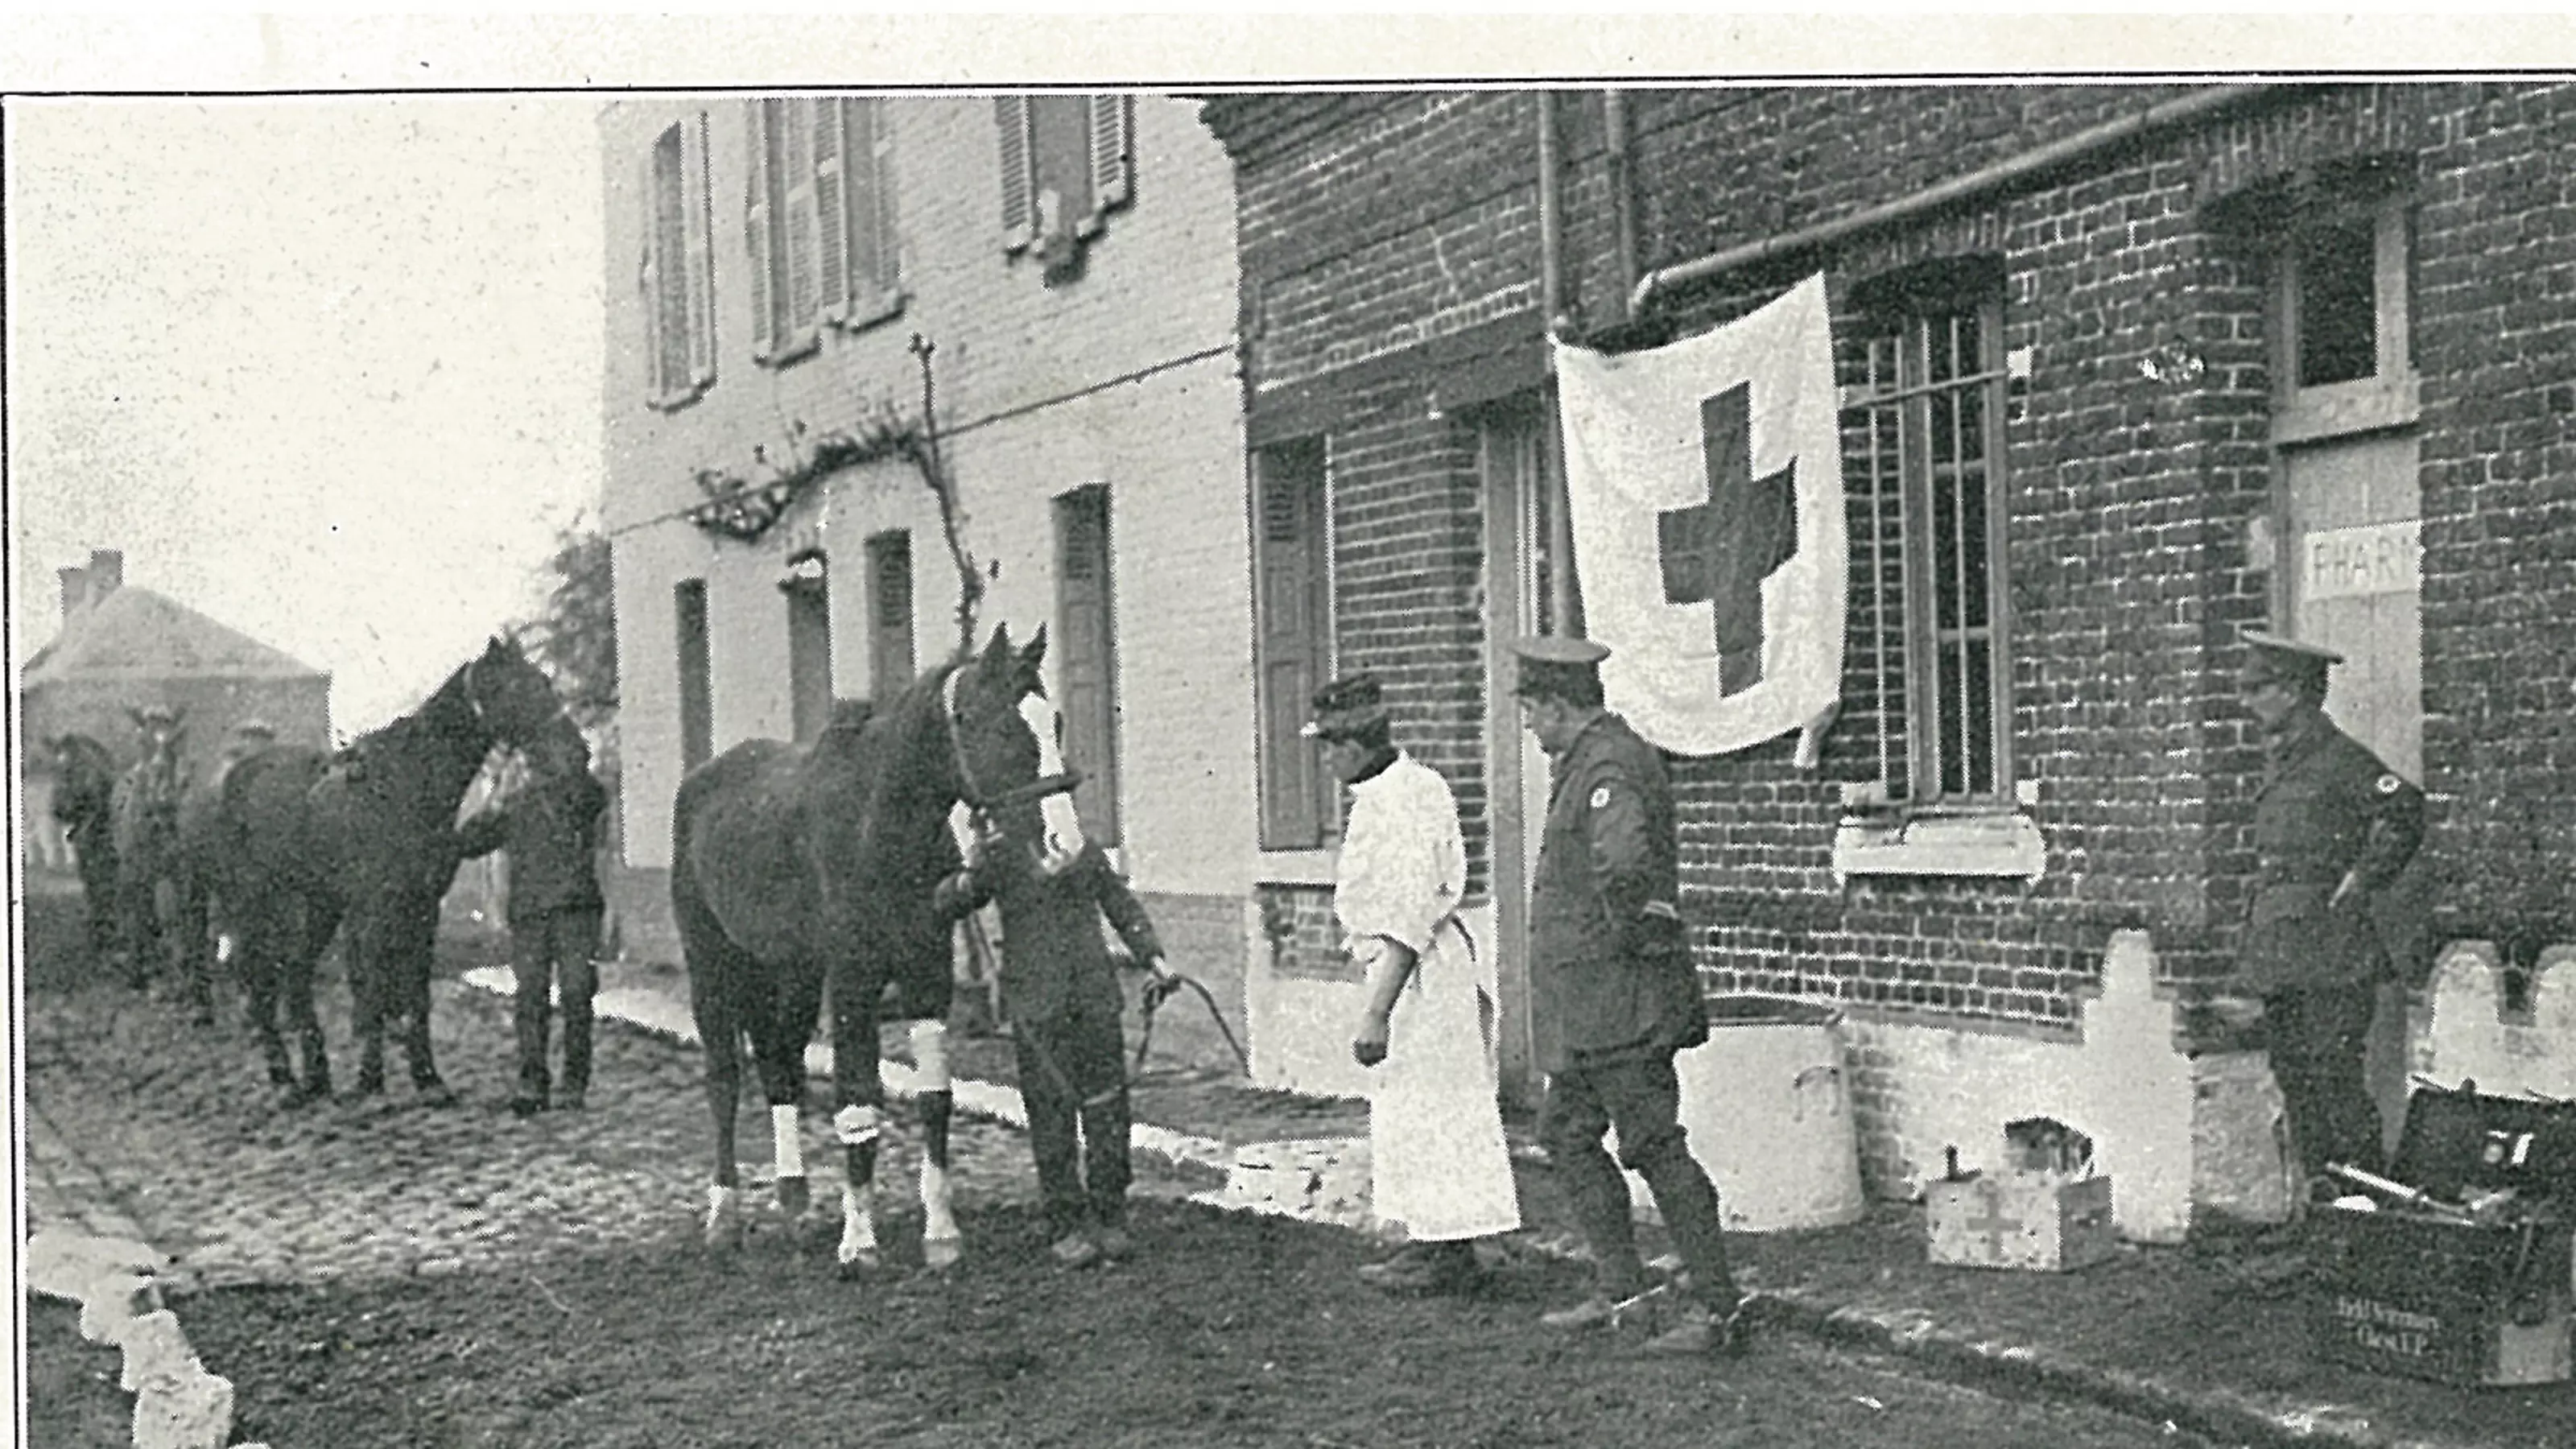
{"x": 1548, "y": 662}
{"x": 2269, "y": 657}
{"x": 1347, "y": 707}
{"x": 255, "y": 726}
{"x": 156, "y": 714}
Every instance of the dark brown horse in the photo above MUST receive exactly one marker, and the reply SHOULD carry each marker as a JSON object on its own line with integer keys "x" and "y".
{"x": 798, "y": 870}
{"x": 364, "y": 843}
{"x": 85, "y": 804}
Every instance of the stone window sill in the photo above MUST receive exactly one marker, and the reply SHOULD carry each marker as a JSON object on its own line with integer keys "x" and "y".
{"x": 2002, "y": 844}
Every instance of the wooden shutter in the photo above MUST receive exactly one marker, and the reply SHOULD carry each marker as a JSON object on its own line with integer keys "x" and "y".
{"x": 697, "y": 223}
{"x": 1113, "y": 144}
{"x": 800, "y": 234}
{"x": 872, "y": 215}
{"x": 833, "y": 274}
{"x": 1088, "y": 667}
{"x": 697, "y": 703}
{"x": 648, "y": 282}
{"x": 1292, "y": 622}
{"x": 756, "y": 230}
{"x": 1019, "y": 178}
{"x": 890, "y": 661}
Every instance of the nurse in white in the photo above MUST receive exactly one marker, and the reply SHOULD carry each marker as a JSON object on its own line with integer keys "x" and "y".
{"x": 1439, "y": 1165}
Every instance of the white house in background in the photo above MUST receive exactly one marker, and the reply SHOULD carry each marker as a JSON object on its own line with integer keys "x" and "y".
{"x": 778, "y": 266}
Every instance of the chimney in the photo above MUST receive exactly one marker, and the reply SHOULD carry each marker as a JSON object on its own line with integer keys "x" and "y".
{"x": 75, "y": 591}
{"x": 106, "y": 573}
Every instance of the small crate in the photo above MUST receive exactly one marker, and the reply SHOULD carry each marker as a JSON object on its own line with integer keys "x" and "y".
{"x": 2425, "y": 1295}
{"x": 2035, "y": 1221}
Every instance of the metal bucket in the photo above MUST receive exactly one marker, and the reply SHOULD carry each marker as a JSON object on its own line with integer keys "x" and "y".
{"x": 1767, "y": 1105}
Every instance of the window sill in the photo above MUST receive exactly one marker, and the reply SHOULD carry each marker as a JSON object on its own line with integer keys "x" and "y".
{"x": 671, "y": 402}
{"x": 807, "y": 343}
{"x": 1297, "y": 867}
{"x": 2316, "y": 414}
{"x": 870, "y": 312}
{"x": 2000, "y": 845}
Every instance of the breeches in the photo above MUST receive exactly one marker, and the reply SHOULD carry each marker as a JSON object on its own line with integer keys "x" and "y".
{"x": 1073, "y": 1081}
{"x": 1641, "y": 1098}
{"x": 551, "y": 955}
{"x": 2317, "y": 1036}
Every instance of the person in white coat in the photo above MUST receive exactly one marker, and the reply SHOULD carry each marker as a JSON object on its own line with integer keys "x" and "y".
{"x": 1439, "y": 1166}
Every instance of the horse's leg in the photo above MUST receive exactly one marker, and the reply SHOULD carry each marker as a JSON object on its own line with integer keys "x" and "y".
{"x": 720, "y": 1040}
{"x": 781, "y": 1044}
{"x": 939, "y": 1236}
{"x": 362, "y": 958}
{"x": 859, "y": 1092}
{"x": 315, "y": 923}
{"x": 195, "y": 973}
{"x": 411, "y": 966}
{"x": 262, "y": 949}
{"x": 134, "y": 907}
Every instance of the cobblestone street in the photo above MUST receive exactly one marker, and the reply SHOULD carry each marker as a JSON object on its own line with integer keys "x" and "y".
{"x": 143, "y": 1126}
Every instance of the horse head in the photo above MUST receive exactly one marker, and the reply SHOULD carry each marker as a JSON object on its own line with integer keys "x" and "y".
{"x": 511, "y": 697}
{"x": 1008, "y": 743}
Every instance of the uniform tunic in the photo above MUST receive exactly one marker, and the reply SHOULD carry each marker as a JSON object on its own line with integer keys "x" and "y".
{"x": 1607, "y": 963}
{"x": 2327, "y": 807}
{"x": 1439, "y": 1164}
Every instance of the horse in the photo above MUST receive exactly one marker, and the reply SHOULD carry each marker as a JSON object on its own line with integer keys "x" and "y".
{"x": 801, "y": 868}
{"x": 85, "y": 803}
{"x": 151, "y": 885}
{"x": 363, "y": 843}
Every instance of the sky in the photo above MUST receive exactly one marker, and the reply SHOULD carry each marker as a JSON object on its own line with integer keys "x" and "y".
{"x": 325, "y": 369}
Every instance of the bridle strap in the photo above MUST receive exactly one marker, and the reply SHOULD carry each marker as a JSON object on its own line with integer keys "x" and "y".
{"x": 966, "y": 791}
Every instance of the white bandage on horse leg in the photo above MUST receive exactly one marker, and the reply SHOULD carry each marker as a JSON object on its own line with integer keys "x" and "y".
{"x": 227, "y": 946}
{"x": 930, "y": 1053}
{"x": 855, "y": 1124}
{"x": 787, "y": 1145}
{"x": 939, "y": 1235}
{"x": 858, "y": 1227}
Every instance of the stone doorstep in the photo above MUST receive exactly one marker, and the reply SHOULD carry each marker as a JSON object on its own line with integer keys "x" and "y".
{"x": 1311, "y": 1179}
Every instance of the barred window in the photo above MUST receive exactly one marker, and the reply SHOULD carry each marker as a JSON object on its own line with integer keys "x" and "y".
{"x": 1923, "y": 407}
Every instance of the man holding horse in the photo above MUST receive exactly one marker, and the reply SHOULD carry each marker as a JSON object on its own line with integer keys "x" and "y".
{"x": 548, "y": 832}
{"x": 1060, "y": 990}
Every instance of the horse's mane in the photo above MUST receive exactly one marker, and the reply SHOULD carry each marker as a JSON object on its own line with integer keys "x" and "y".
{"x": 434, "y": 714}
{"x": 88, "y": 753}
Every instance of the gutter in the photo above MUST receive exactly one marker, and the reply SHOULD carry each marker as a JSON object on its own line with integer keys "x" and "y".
{"x": 2012, "y": 171}
{"x": 1551, "y": 222}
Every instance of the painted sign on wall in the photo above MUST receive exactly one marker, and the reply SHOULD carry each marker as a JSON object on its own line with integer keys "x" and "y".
{"x": 2374, "y": 558}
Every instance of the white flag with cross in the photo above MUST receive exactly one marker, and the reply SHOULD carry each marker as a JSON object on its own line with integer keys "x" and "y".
{"x": 1704, "y": 485}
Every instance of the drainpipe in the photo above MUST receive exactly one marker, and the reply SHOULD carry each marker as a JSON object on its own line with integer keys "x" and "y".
{"x": 1551, "y": 281}
{"x": 2065, "y": 151}
{"x": 1623, "y": 194}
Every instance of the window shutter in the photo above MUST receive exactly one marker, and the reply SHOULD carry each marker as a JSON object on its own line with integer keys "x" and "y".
{"x": 1291, "y": 642}
{"x": 1113, "y": 143}
{"x": 1087, "y": 672}
{"x": 801, "y": 233}
{"x": 833, "y": 274}
{"x": 756, "y": 234}
{"x": 877, "y": 216}
{"x": 1019, "y": 181}
{"x": 698, "y": 260}
{"x": 648, "y": 283}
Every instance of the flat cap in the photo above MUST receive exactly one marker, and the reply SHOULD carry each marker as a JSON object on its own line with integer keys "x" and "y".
{"x": 254, "y": 726}
{"x": 1559, "y": 649}
{"x": 1557, "y": 665}
{"x": 1346, "y": 707}
{"x": 2267, "y": 642}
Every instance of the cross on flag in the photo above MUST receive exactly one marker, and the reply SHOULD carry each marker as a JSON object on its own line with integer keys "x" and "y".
{"x": 1704, "y": 487}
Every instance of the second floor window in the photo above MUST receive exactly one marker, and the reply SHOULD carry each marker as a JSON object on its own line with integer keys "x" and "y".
{"x": 678, "y": 280}
{"x": 819, "y": 219}
{"x": 1067, "y": 162}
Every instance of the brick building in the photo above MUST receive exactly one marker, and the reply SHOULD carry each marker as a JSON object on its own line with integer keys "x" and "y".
{"x": 1069, "y": 262}
{"x": 2170, "y": 360}
{"x": 125, "y": 648}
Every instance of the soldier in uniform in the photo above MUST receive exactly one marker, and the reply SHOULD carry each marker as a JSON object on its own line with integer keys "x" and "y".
{"x": 1616, "y": 997}
{"x": 2332, "y": 827}
{"x": 548, "y": 832}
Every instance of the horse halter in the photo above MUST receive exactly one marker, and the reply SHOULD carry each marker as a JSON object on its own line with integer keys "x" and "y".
{"x": 967, "y": 791}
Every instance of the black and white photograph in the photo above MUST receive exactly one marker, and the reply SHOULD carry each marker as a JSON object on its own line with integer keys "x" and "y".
{"x": 1318, "y": 732}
